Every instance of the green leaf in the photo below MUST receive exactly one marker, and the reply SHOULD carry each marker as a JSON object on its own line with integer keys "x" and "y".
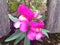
{"x": 19, "y": 39}
{"x": 43, "y": 17}
{"x": 18, "y": 0}
{"x": 14, "y": 19}
{"x": 40, "y": 16}
{"x": 44, "y": 1}
{"x": 45, "y": 32}
{"x": 34, "y": 9}
{"x": 26, "y": 41}
{"x": 14, "y": 36}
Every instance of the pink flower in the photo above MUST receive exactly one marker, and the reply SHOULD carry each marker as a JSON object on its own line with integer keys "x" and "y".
{"x": 22, "y": 24}
{"x": 25, "y": 17}
{"x": 23, "y": 10}
{"x": 35, "y": 30}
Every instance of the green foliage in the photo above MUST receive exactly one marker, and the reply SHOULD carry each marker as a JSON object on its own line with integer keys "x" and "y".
{"x": 14, "y": 19}
{"x": 13, "y": 6}
{"x": 19, "y": 1}
{"x": 45, "y": 32}
{"x": 34, "y": 9}
{"x": 26, "y": 41}
{"x": 19, "y": 39}
{"x": 39, "y": 5}
{"x": 13, "y": 36}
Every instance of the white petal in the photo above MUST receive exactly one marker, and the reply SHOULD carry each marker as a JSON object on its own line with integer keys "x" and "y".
{"x": 38, "y": 36}
{"x": 17, "y": 24}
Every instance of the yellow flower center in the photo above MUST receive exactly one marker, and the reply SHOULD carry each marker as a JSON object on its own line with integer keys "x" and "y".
{"x": 37, "y": 29}
{"x": 22, "y": 16}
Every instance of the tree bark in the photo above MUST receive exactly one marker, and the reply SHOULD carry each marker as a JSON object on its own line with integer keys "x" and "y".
{"x": 53, "y": 16}
{"x": 4, "y": 20}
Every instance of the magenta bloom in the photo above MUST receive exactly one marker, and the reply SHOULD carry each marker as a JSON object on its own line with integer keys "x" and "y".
{"x": 22, "y": 24}
{"x": 23, "y": 10}
{"x": 35, "y": 30}
{"x": 26, "y": 16}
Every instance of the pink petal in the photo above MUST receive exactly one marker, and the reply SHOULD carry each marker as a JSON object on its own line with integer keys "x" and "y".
{"x": 31, "y": 35}
{"x": 41, "y": 23}
{"x": 30, "y": 14}
{"x": 17, "y": 24}
{"x": 22, "y": 8}
{"x": 38, "y": 36}
{"x": 24, "y": 26}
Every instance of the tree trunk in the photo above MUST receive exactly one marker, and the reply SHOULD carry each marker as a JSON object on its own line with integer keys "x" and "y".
{"x": 53, "y": 16}
{"x": 4, "y": 20}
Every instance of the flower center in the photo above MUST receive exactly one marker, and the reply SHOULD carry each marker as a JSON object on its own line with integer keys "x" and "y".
{"x": 22, "y": 17}
{"x": 37, "y": 29}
